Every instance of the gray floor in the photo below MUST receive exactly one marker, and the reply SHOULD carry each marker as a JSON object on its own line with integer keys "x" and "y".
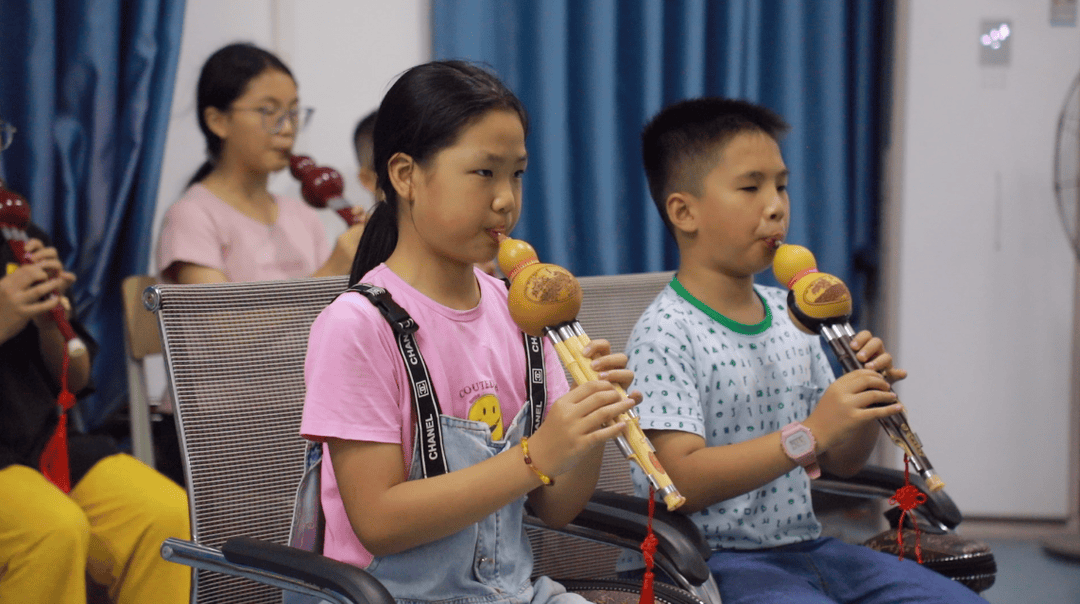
{"x": 1026, "y": 574}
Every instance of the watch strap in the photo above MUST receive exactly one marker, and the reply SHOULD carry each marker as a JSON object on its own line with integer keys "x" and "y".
{"x": 808, "y": 460}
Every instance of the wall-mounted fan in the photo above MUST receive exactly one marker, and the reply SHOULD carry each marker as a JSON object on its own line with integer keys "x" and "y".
{"x": 1067, "y": 192}
{"x": 1067, "y": 166}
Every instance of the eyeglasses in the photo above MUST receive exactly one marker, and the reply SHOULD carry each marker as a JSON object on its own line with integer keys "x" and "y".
{"x": 273, "y": 120}
{"x": 7, "y": 134}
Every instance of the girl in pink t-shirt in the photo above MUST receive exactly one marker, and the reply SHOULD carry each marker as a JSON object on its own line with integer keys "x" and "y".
{"x": 449, "y": 156}
{"x": 228, "y": 226}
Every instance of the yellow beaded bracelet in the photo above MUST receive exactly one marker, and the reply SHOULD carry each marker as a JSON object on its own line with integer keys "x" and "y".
{"x": 547, "y": 480}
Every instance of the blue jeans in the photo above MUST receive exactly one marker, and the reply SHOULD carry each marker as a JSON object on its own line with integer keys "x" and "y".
{"x": 829, "y": 571}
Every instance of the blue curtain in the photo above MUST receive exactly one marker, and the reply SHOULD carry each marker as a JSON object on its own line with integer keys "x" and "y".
{"x": 592, "y": 73}
{"x": 89, "y": 85}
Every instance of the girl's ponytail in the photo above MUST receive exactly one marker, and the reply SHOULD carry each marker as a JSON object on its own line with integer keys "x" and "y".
{"x": 377, "y": 242}
{"x": 203, "y": 171}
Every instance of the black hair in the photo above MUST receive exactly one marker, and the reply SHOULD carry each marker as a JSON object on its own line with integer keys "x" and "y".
{"x": 362, "y": 139}
{"x": 224, "y": 78}
{"x": 424, "y": 112}
{"x": 682, "y": 143}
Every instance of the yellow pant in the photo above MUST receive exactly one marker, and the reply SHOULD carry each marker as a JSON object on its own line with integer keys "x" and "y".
{"x": 110, "y": 526}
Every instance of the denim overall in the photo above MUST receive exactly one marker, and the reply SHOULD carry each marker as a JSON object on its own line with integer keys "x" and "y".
{"x": 488, "y": 562}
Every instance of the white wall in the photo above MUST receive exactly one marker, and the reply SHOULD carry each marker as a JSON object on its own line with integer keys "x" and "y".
{"x": 984, "y": 272}
{"x": 343, "y": 53}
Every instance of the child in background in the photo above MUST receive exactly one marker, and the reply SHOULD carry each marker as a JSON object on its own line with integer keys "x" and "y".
{"x": 365, "y": 152}
{"x": 729, "y": 382}
{"x": 228, "y": 226}
{"x": 449, "y": 155}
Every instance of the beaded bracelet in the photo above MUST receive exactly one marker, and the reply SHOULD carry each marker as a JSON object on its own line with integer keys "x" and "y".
{"x": 547, "y": 480}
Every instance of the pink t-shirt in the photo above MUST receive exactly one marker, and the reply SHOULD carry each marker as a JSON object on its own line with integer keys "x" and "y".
{"x": 358, "y": 388}
{"x": 202, "y": 229}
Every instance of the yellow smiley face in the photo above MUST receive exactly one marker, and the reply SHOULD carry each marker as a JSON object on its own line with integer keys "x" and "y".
{"x": 486, "y": 409}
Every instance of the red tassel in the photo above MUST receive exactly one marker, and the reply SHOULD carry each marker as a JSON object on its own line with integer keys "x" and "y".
{"x": 908, "y": 497}
{"x": 648, "y": 550}
{"x": 54, "y": 459}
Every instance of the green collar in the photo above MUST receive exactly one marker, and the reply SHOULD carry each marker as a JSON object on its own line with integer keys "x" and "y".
{"x": 749, "y": 330}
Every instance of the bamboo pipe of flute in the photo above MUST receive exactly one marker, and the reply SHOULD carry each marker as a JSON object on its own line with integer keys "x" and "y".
{"x": 544, "y": 300}
{"x": 633, "y": 443}
{"x": 820, "y": 304}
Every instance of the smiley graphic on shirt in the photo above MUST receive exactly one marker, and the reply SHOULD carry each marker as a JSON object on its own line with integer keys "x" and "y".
{"x": 486, "y": 409}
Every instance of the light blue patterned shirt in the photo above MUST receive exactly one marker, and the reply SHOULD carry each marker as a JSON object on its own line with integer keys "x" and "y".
{"x": 703, "y": 373}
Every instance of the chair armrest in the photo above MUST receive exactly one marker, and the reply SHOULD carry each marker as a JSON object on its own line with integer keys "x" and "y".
{"x": 626, "y": 516}
{"x": 878, "y": 482}
{"x": 309, "y": 567}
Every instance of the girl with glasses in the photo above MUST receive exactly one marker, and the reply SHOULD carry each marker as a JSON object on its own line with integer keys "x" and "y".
{"x": 228, "y": 226}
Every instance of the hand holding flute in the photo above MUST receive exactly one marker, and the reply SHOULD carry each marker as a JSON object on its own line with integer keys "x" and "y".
{"x": 544, "y": 299}
{"x": 820, "y": 303}
{"x": 14, "y": 218}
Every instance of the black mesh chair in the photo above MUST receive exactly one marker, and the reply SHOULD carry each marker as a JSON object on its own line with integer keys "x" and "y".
{"x": 235, "y": 356}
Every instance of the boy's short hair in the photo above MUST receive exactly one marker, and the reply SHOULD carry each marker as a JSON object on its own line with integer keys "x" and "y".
{"x": 363, "y": 142}
{"x": 683, "y": 142}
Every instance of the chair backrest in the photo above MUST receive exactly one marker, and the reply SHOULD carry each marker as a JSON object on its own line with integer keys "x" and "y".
{"x": 235, "y": 354}
{"x": 141, "y": 339}
{"x": 610, "y": 307}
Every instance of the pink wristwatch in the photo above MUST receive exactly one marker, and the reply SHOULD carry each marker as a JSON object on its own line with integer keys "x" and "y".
{"x": 798, "y": 443}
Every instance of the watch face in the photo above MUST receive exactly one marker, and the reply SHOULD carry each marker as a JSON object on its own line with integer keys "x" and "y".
{"x": 799, "y": 444}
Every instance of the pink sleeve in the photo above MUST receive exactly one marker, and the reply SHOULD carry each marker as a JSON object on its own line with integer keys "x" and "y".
{"x": 189, "y": 234}
{"x": 353, "y": 388}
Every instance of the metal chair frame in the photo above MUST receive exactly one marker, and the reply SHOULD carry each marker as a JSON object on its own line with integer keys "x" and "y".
{"x": 140, "y": 340}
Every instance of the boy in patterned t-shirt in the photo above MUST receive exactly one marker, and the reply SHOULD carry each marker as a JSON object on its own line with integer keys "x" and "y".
{"x": 731, "y": 385}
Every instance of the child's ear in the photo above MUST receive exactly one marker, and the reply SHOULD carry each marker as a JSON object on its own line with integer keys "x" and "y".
{"x": 402, "y": 170}
{"x": 215, "y": 121}
{"x": 682, "y": 212}
{"x": 367, "y": 179}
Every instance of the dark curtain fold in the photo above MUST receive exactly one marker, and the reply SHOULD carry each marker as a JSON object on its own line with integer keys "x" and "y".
{"x": 89, "y": 85}
{"x": 592, "y": 72}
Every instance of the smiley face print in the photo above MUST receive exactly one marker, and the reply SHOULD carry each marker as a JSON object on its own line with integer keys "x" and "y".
{"x": 486, "y": 409}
